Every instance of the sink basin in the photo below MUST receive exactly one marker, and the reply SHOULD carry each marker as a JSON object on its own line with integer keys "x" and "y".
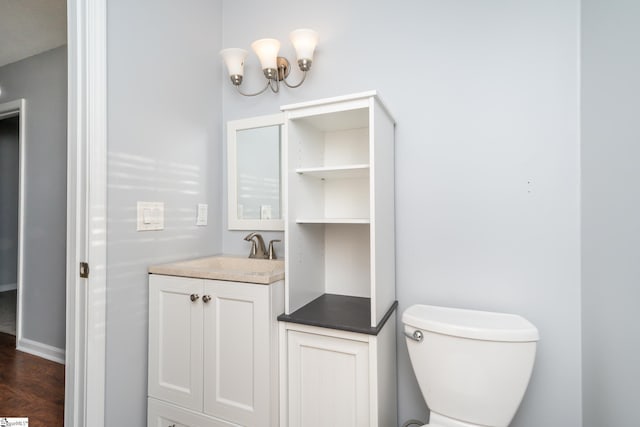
{"x": 222, "y": 267}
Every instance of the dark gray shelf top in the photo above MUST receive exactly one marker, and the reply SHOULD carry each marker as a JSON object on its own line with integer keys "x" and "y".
{"x": 343, "y": 312}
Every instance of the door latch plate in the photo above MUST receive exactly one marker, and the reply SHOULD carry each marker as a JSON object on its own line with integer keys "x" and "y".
{"x": 84, "y": 270}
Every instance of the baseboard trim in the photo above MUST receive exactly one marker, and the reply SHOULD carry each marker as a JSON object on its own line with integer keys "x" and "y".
{"x": 41, "y": 350}
{"x": 8, "y": 287}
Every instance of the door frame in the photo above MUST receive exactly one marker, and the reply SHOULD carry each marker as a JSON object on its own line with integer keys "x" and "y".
{"x": 7, "y": 110}
{"x": 86, "y": 213}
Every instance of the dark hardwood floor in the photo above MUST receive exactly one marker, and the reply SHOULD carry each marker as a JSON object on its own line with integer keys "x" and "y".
{"x": 30, "y": 386}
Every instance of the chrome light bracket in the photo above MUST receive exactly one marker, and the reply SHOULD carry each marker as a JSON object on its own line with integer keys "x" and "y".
{"x": 281, "y": 73}
{"x": 236, "y": 79}
{"x": 304, "y": 64}
{"x": 283, "y": 68}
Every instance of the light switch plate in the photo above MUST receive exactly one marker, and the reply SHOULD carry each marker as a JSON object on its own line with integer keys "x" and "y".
{"x": 201, "y": 217}
{"x": 150, "y": 216}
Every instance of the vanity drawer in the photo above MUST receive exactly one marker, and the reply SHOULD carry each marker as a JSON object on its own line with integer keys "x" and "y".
{"x": 162, "y": 414}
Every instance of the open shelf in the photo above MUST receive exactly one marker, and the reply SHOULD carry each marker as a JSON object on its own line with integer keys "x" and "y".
{"x": 339, "y": 204}
{"x": 334, "y": 121}
{"x": 343, "y": 312}
{"x": 332, "y": 221}
{"x": 336, "y": 172}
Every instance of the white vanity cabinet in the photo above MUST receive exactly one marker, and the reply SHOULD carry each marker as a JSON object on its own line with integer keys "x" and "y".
{"x": 213, "y": 352}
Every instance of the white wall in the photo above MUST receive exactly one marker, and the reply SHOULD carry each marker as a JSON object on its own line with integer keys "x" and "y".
{"x": 485, "y": 95}
{"x": 610, "y": 211}
{"x": 164, "y": 145}
{"x": 42, "y": 81}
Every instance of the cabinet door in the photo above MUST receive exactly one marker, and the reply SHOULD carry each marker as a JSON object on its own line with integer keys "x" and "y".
{"x": 175, "y": 340}
{"x": 328, "y": 381}
{"x": 236, "y": 348}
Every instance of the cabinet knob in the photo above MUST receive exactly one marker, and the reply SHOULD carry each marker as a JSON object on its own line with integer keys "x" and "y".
{"x": 194, "y": 297}
{"x": 206, "y": 298}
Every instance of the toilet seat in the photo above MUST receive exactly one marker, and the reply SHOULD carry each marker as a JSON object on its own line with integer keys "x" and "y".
{"x": 438, "y": 420}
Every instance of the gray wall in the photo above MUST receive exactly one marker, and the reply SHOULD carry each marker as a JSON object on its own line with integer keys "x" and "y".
{"x": 9, "y": 185}
{"x": 486, "y": 99}
{"x": 42, "y": 81}
{"x": 610, "y": 211}
{"x": 164, "y": 145}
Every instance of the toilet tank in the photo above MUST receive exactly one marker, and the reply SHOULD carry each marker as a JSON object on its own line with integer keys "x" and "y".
{"x": 472, "y": 366}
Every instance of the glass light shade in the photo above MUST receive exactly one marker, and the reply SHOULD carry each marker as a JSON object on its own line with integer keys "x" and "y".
{"x": 304, "y": 41}
{"x": 267, "y": 51}
{"x": 234, "y": 59}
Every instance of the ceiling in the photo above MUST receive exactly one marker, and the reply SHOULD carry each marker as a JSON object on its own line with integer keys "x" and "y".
{"x": 29, "y": 27}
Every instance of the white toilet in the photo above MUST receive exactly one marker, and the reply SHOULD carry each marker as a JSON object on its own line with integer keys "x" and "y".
{"x": 473, "y": 367}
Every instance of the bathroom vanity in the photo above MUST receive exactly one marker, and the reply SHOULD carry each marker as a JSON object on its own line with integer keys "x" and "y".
{"x": 308, "y": 342}
{"x": 213, "y": 342}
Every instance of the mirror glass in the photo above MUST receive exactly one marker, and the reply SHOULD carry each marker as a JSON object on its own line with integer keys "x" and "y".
{"x": 258, "y": 172}
{"x": 254, "y": 165}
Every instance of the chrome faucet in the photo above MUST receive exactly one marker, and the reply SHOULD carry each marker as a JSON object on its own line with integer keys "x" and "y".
{"x": 272, "y": 250}
{"x": 258, "y": 250}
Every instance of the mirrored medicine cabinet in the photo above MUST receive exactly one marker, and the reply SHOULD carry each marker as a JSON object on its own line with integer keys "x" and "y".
{"x": 255, "y": 173}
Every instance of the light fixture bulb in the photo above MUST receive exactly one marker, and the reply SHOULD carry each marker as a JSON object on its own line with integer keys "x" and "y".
{"x": 267, "y": 51}
{"x": 304, "y": 41}
{"x": 234, "y": 59}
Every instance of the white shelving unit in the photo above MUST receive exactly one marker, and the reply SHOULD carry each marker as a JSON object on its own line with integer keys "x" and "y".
{"x": 337, "y": 335}
{"x": 339, "y": 192}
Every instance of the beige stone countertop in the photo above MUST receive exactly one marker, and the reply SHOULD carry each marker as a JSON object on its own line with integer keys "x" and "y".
{"x": 233, "y": 268}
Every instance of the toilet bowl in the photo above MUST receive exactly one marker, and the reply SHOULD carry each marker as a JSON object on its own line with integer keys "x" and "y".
{"x": 473, "y": 367}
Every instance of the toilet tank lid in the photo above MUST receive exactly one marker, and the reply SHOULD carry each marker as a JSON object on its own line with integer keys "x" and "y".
{"x": 480, "y": 325}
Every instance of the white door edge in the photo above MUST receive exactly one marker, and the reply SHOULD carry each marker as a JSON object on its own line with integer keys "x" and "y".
{"x": 9, "y": 109}
{"x": 86, "y": 213}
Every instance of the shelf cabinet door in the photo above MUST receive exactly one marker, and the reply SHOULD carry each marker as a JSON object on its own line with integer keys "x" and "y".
{"x": 328, "y": 381}
{"x": 237, "y": 360}
{"x": 175, "y": 340}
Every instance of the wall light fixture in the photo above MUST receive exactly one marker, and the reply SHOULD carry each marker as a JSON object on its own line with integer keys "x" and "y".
{"x": 275, "y": 68}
